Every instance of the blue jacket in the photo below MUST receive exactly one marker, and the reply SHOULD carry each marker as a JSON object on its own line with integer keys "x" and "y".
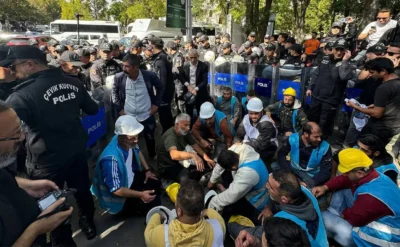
{"x": 321, "y": 239}
{"x": 151, "y": 80}
{"x": 244, "y": 105}
{"x": 218, "y": 118}
{"x": 107, "y": 200}
{"x": 315, "y": 159}
{"x": 386, "y": 230}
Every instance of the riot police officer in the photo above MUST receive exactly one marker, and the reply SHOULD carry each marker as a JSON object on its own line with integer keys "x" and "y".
{"x": 178, "y": 40}
{"x": 262, "y": 46}
{"x": 136, "y": 49}
{"x": 269, "y": 57}
{"x": 218, "y": 44}
{"x": 197, "y": 38}
{"x": 103, "y": 67}
{"x": 116, "y": 54}
{"x": 52, "y": 55}
{"x": 84, "y": 56}
{"x": 205, "y": 46}
{"x": 147, "y": 57}
{"x": 226, "y": 51}
{"x": 248, "y": 54}
{"x": 177, "y": 66}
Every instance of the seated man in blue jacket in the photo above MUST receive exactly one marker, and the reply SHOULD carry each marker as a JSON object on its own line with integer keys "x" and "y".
{"x": 310, "y": 157}
{"x": 133, "y": 94}
{"x": 123, "y": 182}
{"x": 229, "y": 105}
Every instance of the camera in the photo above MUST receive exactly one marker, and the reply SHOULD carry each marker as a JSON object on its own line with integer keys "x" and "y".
{"x": 52, "y": 197}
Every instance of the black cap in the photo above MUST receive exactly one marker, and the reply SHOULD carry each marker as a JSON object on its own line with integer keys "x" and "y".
{"x": 92, "y": 50}
{"x": 248, "y": 44}
{"x": 340, "y": 43}
{"x": 252, "y": 34}
{"x": 137, "y": 44}
{"x": 296, "y": 47}
{"x": 226, "y": 45}
{"x": 226, "y": 35}
{"x": 23, "y": 52}
{"x": 172, "y": 45}
{"x": 52, "y": 43}
{"x": 105, "y": 47}
{"x": 379, "y": 48}
{"x": 291, "y": 40}
{"x": 177, "y": 37}
{"x": 83, "y": 52}
{"x": 199, "y": 34}
{"x": 157, "y": 41}
{"x": 33, "y": 41}
{"x": 203, "y": 38}
{"x": 77, "y": 47}
{"x": 336, "y": 24}
{"x": 71, "y": 57}
{"x": 189, "y": 41}
{"x": 330, "y": 44}
{"x": 270, "y": 47}
{"x": 70, "y": 42}
{"x": 150, "y": 36}
{"x": 148, "y": 47}
{"x": 115, "y": 44}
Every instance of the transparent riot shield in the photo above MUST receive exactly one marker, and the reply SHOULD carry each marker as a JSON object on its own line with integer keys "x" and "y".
{"x": 261, "y": 78}
{"x": 240, "y": 72}
{"x": 289, "y": 76}
{"x": 222, "y": 78}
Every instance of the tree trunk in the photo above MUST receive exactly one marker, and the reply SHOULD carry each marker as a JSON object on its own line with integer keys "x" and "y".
{"x": 369, "y": 12}
{"x": 262, "y": 27}
{"x": 299, "y": 12}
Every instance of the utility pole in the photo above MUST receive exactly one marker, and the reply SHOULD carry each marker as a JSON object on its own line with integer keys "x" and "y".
{"x": 77, "y": 16}
{"x": 188, "y": 19}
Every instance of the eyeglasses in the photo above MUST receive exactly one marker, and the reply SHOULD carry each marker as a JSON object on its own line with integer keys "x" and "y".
{"x": 192, "y": 57}
{"x": 15, "y": 138}
{"x": 12, "y": 66}
{"x": 382, "y": 18}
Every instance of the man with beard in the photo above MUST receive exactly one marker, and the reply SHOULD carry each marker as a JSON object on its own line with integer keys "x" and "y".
{"x": 133, "y": 95}
{"x": 123, "y": 182}
{"x": 229, "y": 105}
{"x": 178, "y": 150}
{"x": 19, "y": 210}
{"x": 310, "y": 157}
{"x": 328, "y": 82}
{"x": 258, "y": 130}
{"x": 289, "y": 112}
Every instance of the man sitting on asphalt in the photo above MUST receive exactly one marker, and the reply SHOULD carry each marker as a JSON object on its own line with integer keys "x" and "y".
{"x": 178, "y": 150}
{"x": 193, "y": 225}
{"x": 289, "y": 112}
{"x": 258, "y": 130}
{"x": 123, "y": 182}
{"x": 310, "y": 157}
{"x": 212, "y": 130}
{"x": 245, "y": 100}
{"x": 293, "y": 202}
{"x": 246, "y": 194}
{"x": 229, "y": 105}
{"x": 365, "y": 210}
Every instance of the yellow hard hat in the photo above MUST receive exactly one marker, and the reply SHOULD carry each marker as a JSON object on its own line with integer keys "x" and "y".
{"x": 172, "y": 191}
{"x": 241, "y": 220}
{"x": 290, "y": 92}
{"x": 351, "y": 158}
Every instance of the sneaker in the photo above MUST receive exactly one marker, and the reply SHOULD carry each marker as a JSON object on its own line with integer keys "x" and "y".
{"x": 88, "y": 227}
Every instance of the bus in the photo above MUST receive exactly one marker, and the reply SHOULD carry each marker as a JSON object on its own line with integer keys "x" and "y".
{"x": 69, "y": 27}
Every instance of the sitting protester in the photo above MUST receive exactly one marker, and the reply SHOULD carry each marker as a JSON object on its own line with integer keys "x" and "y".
{"x": 178, "y": 150}
{"x": 289, "y": 112}
{"x": 250, "y": 94}
{"x": 372, "y": 146}
{"x": 229, "y": 105}
{"x": 212, "y": 130}
{"x": 123, "y": 182}
{"x": 246, "y": 194}
{"x": 290, "y": 201}
{"x": 310, "y": 157}
{"x": 258, "y": 131}
{"x": 365, "y": 209}
{"x": 193, "y": 225}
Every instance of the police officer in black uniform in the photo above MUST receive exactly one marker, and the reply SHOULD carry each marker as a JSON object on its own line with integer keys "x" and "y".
{"x": 205, "y": 46}
{"x": 136, "y": 49}
{"x": 52, "y": 55}
{"x": 84, "y": 56}
{"x": 162, "y": 66}
{"x": 269, "y": 57}
{"x": 178, "y": 40}
{"x": 116, "y": 54}
{"x": 177, "y": 66}
{"x": 249, "y": 56}
{"x": 147, "y": 57}
{"x": 251, "y": 38}
{"x": 226, "y": 51}
{"x": 49, "y": 104}
{"x": 295, "y": 56}
{"x": 218, "y": 44}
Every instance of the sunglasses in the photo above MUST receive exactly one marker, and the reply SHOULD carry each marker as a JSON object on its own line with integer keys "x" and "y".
{"x": 392, "y": 53}
{"x": 382, "y": 18}
{"x": 12, "y": 66}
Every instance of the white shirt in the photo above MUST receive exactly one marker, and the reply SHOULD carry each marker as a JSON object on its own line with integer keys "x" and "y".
{"x": 129, "y": 171}
{"x": 380, "y": 30}
{"x": 137, "y": 101}
{"x": 192, "y": 74}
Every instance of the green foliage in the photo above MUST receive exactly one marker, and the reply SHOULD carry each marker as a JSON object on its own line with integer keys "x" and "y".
{"x": 49, "y": 9}
{"x": 146, "y": 9}
{"x": 117, "y": 12}
{"x": 20, "y": 11}
{"x": 69, "y": 8}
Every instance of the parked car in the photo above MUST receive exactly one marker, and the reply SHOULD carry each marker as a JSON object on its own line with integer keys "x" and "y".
{"x": 24, "y": 40}
{"x": 89, "y": 37}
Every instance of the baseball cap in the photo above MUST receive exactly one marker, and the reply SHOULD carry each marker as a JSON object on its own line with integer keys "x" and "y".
{"x": 148, "y": 47}
{"x": 337, "y": 24}
{"x": 270, "y": 47}
{"x": 252, "y": 34}
{"x": 52, "y": 42}
{"x": 172, "y": 45}
{"x": 83, "y": 52}
{"x": 248, "y": 44}
{"x": 137, "y": 44}
{"x": 115, "y": 44}
{"x": 330, "y": 44}
{"x": 70, "y": 42}
{"x": 296, "y": 47}
{"x": 92, "y": 50}
{"x": 177, "y": 37}
{"x": 199, "y": 34}
{"x": 226, "y": 45}
{"x": 203, "y": 38}
{"x": 105, "y": 47}
{"x": 71, "y": 57}
{"x": 226, "y": 35}
{"x": 157, "y": 41}
{"x": 377, "y": 48}
{"x": 22, "y": 52}
{"x": 340, "y": 43}
{"x": 33, "y": 42}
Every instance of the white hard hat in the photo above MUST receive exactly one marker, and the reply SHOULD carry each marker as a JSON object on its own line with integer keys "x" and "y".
{"x": 128, "y": 125}
{"x": 169, "y": 215}
{"x": 209, "y": 56}
{"x": 255, "y": 104}
{"x": 207, "y": 110}
{"x": 219, "y": 61}
{"x": 207, "y": 198}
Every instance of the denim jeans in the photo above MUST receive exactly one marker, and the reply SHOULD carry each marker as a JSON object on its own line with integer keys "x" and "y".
{"x": 337, "y": 227}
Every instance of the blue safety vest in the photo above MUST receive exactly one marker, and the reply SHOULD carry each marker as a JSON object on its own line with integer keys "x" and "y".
{"x": 386, "y": 230}
{"x": 233, "y": 102}
{"x": 218, "y": 118}
{"x": 388, "y": 167}
{"x": 321, "y": 239}
{"x": 258, "y": 195}
{"x": 294, "y": 116}
{"x": 107, "y": 200}
{"x": 315, "y": 159}
{"x": 244, "y": 105}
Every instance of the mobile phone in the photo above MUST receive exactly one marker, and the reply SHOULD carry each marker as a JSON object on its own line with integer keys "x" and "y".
{"x": 373, "y": 28}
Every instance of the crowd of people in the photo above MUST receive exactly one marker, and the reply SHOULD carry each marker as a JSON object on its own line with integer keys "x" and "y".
{"x": 272, "y": 175}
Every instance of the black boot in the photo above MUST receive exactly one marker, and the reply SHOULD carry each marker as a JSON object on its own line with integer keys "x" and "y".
{"x": 87, "y": 227}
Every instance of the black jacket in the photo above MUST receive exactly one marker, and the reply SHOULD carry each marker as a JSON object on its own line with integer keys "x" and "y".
{"x": 50, "y": 104}
{"x": 151, "y": 80}
{"x": 201, "y": 80}
{"x": 162, "y": 66}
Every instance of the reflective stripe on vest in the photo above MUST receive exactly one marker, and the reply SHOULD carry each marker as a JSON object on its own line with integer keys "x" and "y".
{"x": 218, "y": 240}
{"x": 386, "y": 230}
{"x": 315, "y": 158}
{"x": 252, "y": 132}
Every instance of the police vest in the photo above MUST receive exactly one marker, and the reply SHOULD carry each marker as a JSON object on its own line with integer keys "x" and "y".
{"x": 294, "y": 116}
{"x": 252, "y": 132}
{"x": 386, "y": 230}
{"x": 388, "y": 167}
{"x": 315, "y": 158}
{"x": 233, "y": 102}
{"x": 321, "y": 239}
{"x": 244, "y": 105}
{"x": 218, "y": 118}
{"x": 218, "y": 239}
{"x": 258, "y": 195}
